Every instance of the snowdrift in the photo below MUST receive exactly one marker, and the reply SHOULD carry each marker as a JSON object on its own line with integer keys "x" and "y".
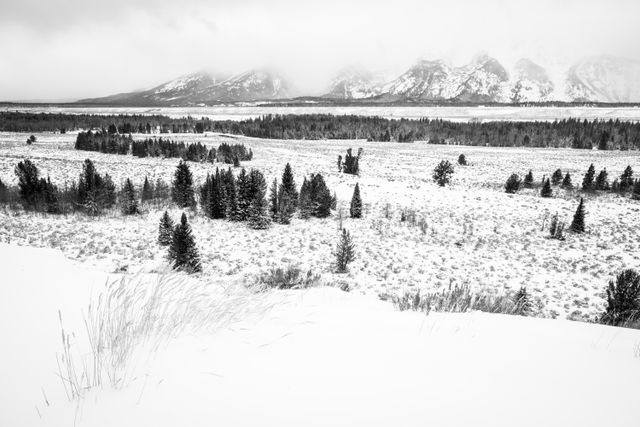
{"x": 314, "y": 357}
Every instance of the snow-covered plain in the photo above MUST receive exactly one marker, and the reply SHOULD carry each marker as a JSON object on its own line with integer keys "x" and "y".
{"x": 468, "y": 233}
{"x": 235, "y": 112}
{"x": 312, "y": 357}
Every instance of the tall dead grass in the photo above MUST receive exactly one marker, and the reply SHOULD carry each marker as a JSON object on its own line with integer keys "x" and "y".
{"x": 143, "y": 313}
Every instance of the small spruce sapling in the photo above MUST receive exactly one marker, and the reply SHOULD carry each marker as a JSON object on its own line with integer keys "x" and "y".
{"x": 355, "y": 209}
{"x": 345, "y": 252}
{"x": 578, "y": 223}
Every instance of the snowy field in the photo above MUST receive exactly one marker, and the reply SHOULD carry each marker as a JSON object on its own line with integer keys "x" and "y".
{"x": 445, "y": 113}
{"x": 315, "y": 357}
{"x": 469, "y": 233}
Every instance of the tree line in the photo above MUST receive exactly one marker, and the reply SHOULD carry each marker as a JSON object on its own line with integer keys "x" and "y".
{"x": 565, "y": 133}
{"x": 109, "y": 143}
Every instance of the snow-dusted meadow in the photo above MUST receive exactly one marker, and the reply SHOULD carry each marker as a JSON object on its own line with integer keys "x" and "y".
{"x": 471, "y": 232}
{"x": 207, "y": 349}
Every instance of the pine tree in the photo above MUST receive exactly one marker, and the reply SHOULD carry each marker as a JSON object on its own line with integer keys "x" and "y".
{"x": 232, "y": 212}
{"x": 244, "y": 195}
{"x": 356, "y": 203}
{"x": 635, "y": 194}
{"x": 442, "y": 173}
{"x": 577, "y": 225}
{"x": 513, "y": 184}
{"x": 183, "y": 252}
{"x": 289, "y": 185}
{"x": 29, "y": 184}
{"x": 351, "y": 163}
{"x": 50, "y": 197}
{"x": 273, "y": 200}
{"x": 345, "y": 251}
{"x": 182, "y": 192}
{"x": 566, "y": 182}
{"x": 129, "y": 201}
{"x": 161, "y": 190}
{"x": 147, "y": 191}
{"x": 546, "y": 190}
{"x": 285, "y": 207}
{"x": 623, "y": 299}
{"x": 319, "y": 197}
{"x": 462, "y": 160}
{"x": 588, "y": 180}
{"x": 165, "y": 230}
{"x": 602, "y": 182}
{"x": 259, "y": 218}
{"x": 556, "y": 178}
{"x": 304, "y": 200}
{"x": 528, "y": 180}
{"x": 626, "y": 179}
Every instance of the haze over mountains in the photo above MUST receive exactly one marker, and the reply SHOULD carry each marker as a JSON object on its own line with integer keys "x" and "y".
{"x": 483, "y": 80}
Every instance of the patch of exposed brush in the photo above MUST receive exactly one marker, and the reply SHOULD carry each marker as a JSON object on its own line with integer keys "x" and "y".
{"x": 461, "y": 299}
{"x": 288, "y": 277}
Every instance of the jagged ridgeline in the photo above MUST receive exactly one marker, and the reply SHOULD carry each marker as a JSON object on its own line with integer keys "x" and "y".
{"x": 113, "y": 143}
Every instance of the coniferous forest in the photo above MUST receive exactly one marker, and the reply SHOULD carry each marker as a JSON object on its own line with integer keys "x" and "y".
{"x": 569, "y": 133}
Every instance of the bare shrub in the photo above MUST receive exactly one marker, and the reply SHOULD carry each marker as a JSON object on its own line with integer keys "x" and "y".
{"x": 289, "y": 277}
{"x": 460, "y": 299}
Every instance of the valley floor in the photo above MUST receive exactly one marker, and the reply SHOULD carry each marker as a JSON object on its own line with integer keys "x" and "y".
{"x": 468, "y": 233}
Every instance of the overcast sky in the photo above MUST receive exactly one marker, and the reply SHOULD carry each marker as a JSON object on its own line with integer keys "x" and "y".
{"x": 68, "y": 49}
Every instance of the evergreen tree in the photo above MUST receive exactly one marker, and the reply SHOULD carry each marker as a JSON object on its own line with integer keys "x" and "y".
{"x": 556, "y": 178}
{"x": 285, "y": 207}
{"x": 350, "y": 164}
{"x": 635, "y": 194}
{"x": 528, "y": 180}
{"x": 273, "y": 200}
{"x": 4, "y": 193}
{"x": 546, "y": 190}
{"x": 182, "y": 192}
{"x": 320, "y": 197}
{"x": 339, "y": 162}
{"x": 161, "y": 190}
{"x": 334, "y": 201}
{"x": 165, "y": 230}
{"x": 577, "y": 225}
{"x": 602, "y": 182}
{"x": 304, "y": 200}
{"x": 442, "y": 173}
{"x": 244, "y": 195}
{"x": 626, "y": 179}
{"x": 129, "y": 201}
{"x": 183, "y": 252}
{"x": 588, "y": 180}
{"x": 232, "y": 210}
{"x": 259, "y": 218}
{"x": 462, "y": 160}
{"x": 29, "y": 184}
{"x": 50, "y": 197}
{"x": 623, "y": 299}
{"x": 356, "y": 203}
{"x": 566, "y": 182}
{"x": 289, "y": 185}
{"x": 147, "y": 191}
{"x": 513, "y": 184}
{"x": 345, "y": 251}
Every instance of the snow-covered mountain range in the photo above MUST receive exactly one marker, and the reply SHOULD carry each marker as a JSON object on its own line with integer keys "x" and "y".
{"x": 483, "y": 80}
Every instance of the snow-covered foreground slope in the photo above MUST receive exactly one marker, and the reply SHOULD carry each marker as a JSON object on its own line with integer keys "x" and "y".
{"x": 315, "y": 357}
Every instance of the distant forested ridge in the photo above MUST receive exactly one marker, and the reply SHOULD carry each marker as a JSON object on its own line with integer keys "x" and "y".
{"x": 568, "y": 133}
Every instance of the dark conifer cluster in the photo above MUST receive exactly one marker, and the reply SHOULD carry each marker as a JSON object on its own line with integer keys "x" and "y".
{"x": 92, "y": 193}
{"x": 159, "y": 147}
{"x": 233, "y": 154}
{"x": 351, "y": 163}
{"x": 103, "y": 142}
{"x": 315, "y": 197}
